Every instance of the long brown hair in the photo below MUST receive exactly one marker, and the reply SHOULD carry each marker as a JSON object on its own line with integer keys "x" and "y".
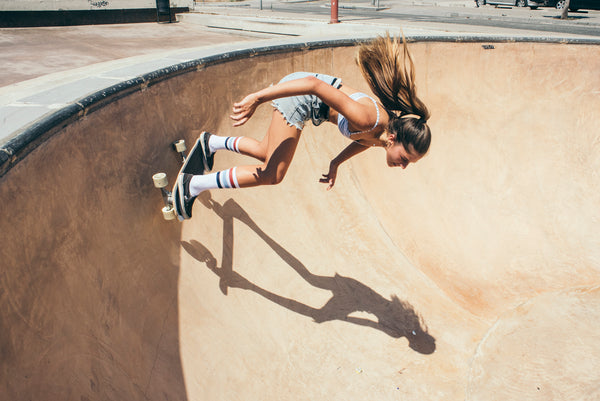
{"x": 387, "y": 66}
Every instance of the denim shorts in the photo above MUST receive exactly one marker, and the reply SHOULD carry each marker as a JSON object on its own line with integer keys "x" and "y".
{"x": 298, "y": 109}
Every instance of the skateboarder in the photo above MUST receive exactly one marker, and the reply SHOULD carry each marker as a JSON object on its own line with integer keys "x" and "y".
{"x": 395, "y": 119}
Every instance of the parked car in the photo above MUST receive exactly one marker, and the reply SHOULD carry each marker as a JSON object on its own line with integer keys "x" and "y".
{"x": 577, "y": 4}
{"x": 533, "y": 4}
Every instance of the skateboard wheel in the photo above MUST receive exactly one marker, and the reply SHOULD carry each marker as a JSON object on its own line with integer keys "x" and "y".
{"x": 160, "y": 180}
{"x": 179, "y": 146}
{"x": 168, "y": 213}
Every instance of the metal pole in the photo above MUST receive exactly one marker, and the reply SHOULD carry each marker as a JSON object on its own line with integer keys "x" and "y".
{"x": 334, "y": 12}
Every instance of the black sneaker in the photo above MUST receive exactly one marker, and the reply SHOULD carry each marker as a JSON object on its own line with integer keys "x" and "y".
{"x": 184, "y": 200}
{"x": 208, "y": 157}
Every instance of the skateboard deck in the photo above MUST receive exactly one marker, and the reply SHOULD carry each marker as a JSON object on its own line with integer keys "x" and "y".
{"x": 192, "y": 164}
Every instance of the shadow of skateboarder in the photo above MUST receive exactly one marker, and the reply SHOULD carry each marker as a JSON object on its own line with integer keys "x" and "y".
{"x": 395, "y": 317}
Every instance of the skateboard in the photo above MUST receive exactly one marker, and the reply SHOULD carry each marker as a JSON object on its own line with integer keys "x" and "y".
{"x": 191, "y": 164}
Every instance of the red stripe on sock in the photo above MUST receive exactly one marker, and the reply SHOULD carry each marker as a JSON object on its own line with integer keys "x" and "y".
{"x": 231, "y": 183}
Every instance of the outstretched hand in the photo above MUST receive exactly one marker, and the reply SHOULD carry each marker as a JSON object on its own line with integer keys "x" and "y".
{"x": 244, "y": 109}
{"x": 330, "y": 177}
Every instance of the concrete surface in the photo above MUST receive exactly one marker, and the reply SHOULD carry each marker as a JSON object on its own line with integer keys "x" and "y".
{"x": 472, "y": 275}
{"x": 26, "y": 55}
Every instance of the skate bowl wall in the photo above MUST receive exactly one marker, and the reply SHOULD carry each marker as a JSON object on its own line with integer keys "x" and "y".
{"x": 471, "y": 275}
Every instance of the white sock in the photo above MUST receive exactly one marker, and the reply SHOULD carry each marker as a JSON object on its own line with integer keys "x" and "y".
{"x": 224, "y": 142}
{"x": 221, "y": 179}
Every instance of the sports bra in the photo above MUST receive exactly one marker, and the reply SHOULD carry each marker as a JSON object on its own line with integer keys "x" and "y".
{"x": 342, "y": 122}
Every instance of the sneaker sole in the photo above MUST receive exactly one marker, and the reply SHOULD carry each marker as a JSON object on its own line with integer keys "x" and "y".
{"x": 175, "y": 198}
{"x": 180, "y": 197}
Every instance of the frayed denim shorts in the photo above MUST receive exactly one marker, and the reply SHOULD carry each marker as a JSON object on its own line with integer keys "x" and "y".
{"x": 298, "y": 109}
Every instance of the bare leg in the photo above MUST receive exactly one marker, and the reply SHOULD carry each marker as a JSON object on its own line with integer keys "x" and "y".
{"x": 279, "y": 146}
{"x": 276, "y": 151}
{"x": 253, "y": 148}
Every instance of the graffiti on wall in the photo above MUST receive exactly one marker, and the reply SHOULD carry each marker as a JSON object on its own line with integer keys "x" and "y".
{"x": 98, "y": 3}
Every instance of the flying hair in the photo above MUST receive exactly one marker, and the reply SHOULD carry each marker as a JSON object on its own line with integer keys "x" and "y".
{"x": 387, "y": 66}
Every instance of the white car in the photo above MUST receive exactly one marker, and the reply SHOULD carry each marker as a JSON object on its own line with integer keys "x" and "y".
{"x": 518, "y": 3}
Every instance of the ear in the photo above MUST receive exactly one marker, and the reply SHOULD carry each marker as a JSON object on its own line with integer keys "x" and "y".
{"x": 390, "y": 139}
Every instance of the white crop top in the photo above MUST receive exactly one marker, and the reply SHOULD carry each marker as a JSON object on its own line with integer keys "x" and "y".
{"x": 342, "y": 122}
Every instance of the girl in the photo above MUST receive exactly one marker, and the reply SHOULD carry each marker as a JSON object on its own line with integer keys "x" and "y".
{"x": 395, "y": 119}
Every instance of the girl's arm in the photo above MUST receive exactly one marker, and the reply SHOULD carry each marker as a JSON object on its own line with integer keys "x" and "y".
{"x": 244, "y": 109}
{"x": 349, "y": 151}
{"x": 359, "y": 115}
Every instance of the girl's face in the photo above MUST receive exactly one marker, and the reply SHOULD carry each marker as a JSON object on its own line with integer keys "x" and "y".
{"x": 398, "y": 156}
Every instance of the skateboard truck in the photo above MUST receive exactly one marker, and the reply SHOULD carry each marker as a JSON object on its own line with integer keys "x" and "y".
{"x": 161, "y": 182}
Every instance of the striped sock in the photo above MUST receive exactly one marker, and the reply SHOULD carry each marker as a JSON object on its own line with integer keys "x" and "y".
{"x": 221, "y": 179}
{"x": 230, "y": 143}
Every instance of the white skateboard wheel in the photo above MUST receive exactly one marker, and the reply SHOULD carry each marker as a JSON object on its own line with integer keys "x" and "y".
{"x": 160, "y": 180}
{"x": 168, "y": 213}
{"x": 180, "y": 146}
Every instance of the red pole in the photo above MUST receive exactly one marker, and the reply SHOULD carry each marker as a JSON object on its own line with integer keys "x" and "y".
{"x": 334, "y": 12}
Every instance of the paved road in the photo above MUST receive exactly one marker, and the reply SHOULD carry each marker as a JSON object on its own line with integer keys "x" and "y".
{"x": 545, "y": 19}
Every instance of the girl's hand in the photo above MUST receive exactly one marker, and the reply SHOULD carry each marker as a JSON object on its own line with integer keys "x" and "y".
{"x": 244, "y": 109}
{"x": 329, "y": 178}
